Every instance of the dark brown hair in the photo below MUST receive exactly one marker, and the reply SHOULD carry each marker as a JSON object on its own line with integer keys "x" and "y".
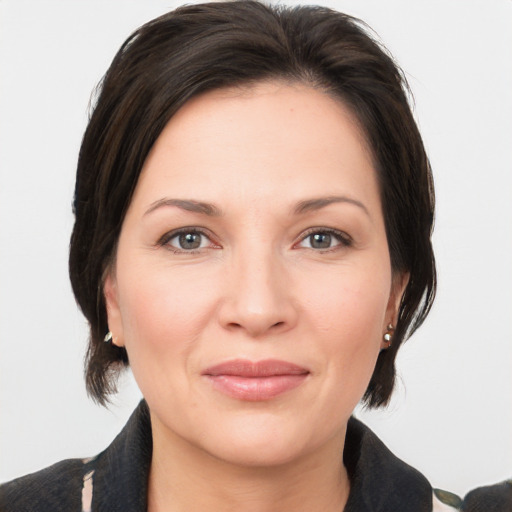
{"x": 198, "y": 48}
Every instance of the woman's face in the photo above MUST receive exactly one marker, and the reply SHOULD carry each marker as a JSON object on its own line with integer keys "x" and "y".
{"x": 252, "y": 284}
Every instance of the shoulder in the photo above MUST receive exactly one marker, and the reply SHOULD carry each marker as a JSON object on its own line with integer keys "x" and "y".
{"x": 491, "y": 498}
{"x": 381, "y": 481}
{"x": 115, "y": 480}
{"x": 57, "y": 487}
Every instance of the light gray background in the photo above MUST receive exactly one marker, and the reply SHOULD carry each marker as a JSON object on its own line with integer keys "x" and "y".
{"x": 452, "y": 416}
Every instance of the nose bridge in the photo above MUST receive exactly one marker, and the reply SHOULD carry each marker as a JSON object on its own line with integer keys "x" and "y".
{"x": 258, "y": 298}
{"x": 258, "y": 271}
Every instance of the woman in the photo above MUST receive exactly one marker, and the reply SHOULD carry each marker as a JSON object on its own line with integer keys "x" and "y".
{"x": 253, "y": 216}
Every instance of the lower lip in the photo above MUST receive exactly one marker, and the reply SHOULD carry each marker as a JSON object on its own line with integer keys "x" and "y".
{"x": 255, "y": 389}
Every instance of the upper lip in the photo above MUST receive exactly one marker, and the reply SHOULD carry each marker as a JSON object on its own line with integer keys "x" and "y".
{"x": 246, "y": 368}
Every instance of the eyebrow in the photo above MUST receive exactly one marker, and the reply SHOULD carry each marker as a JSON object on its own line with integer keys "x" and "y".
{"x": 211, "y": 210}
{"x": 186, "y": 204}
{"x": 321, "y": 202}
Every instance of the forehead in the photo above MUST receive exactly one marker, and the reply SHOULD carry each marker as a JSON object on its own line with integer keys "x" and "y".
{"x": 267, "y": 112}
{"x": 258, "y": 139}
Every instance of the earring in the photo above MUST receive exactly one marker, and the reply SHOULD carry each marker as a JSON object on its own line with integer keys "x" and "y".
{"x": 108, "y": 337}
{"x": 388, "y": 335}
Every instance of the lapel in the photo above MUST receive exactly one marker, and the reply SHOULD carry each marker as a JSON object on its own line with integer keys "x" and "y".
{"x": 121, "y": 471}
{"x": 381, "y": 482}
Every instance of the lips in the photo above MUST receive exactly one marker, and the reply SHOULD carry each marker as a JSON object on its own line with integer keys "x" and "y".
{"x": 255, "y": 381}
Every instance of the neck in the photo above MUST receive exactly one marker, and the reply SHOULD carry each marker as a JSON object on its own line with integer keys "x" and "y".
{"x": 184, "y": 478}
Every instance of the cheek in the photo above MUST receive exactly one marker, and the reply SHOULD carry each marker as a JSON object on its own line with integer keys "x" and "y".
{"x": 163, "y": 310}
{"x": 347, "y": 314}
{"x": 351, "y": 303}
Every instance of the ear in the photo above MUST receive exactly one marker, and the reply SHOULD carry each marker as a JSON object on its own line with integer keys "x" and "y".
{"x": 115, "y": 322}
{"x": 398, "y": 285}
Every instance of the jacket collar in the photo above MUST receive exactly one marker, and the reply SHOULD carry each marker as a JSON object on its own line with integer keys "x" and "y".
{"x": 121, "y": 471}
{"x": 379, "y": 481}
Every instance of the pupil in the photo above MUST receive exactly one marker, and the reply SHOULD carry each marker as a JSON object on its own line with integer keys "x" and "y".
{"x": 321, "y": 240}
{"x": 190, "y": 240}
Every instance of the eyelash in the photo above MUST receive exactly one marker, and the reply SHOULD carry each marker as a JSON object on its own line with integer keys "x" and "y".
{"x": 164, "y": 240}
{"x": 343, "y": 239}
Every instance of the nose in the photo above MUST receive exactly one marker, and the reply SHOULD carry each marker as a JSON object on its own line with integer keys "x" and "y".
{"x": 258, "y": 297}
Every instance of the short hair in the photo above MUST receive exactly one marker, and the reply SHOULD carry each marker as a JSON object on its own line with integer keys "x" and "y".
{"x": 199, "y": 48}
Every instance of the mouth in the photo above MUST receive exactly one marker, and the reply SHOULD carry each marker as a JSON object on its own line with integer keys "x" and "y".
{"x": 255, "y": 381}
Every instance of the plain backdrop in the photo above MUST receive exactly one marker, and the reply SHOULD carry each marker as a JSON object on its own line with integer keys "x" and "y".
{"x": 451, "y": 416}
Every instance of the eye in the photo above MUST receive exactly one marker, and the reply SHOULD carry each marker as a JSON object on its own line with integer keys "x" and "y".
{"x": 325, "y": 239}
{"x": 186, "y": 240}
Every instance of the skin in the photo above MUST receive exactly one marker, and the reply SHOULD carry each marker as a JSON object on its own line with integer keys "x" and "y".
{"x": 257, "y": 287}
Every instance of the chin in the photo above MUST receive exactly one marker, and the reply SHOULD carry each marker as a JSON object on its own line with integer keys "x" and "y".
{"x": 259, "y": 443}
{"x": 258, "y": 454}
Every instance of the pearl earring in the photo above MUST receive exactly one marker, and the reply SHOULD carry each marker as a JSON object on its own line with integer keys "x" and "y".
{"x": 388, "y": 335}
